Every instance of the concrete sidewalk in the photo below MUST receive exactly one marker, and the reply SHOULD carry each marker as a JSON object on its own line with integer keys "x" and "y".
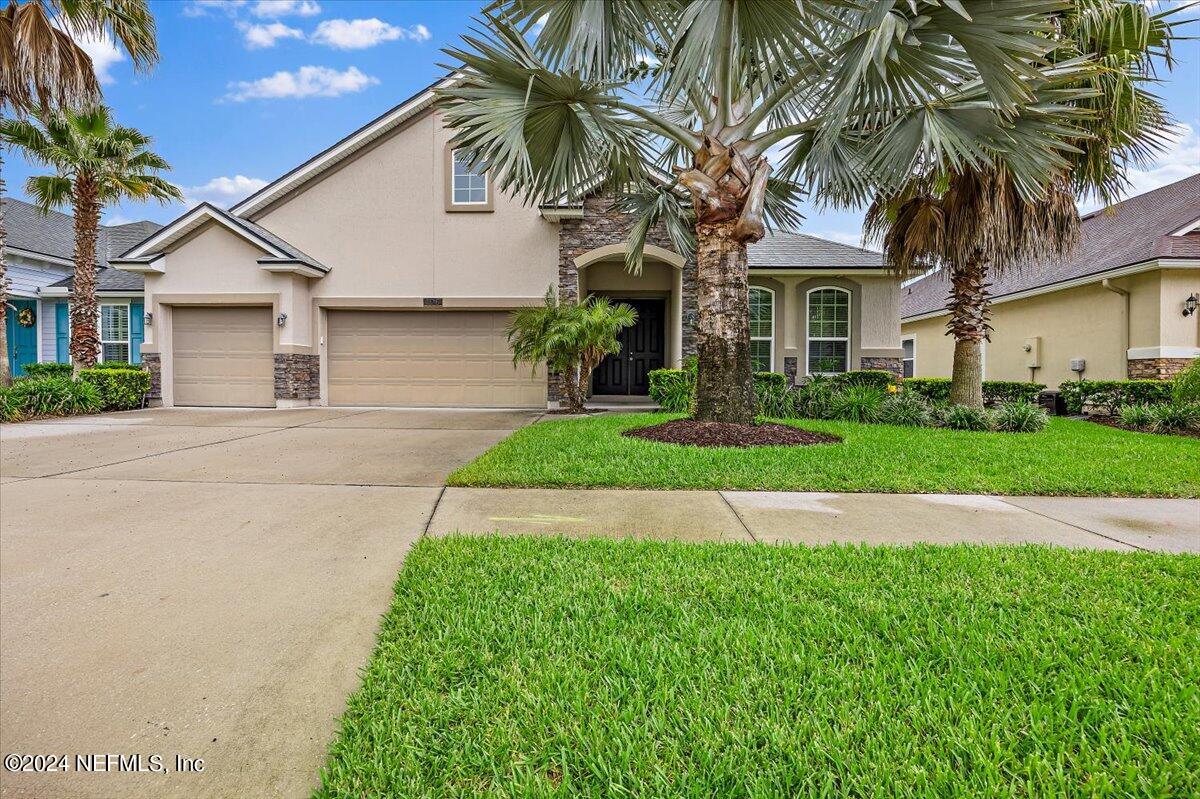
{"x": 1168, "y": 525}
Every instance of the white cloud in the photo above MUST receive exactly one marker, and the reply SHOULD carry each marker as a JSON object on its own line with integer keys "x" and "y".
{"x": 200, "y": 8}
{"x": 222, "y": 191}
{"x": 1181, "y": 159}
{"x": 257, "y": 37}
{"x": 285, "y": 8}
{"x": 304, "y": 82}
{"x": 358, "y": 34}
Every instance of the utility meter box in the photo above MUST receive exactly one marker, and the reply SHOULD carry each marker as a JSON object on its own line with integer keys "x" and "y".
{"x": 1078, "y": 364}
{"x": 1033, "y": 352}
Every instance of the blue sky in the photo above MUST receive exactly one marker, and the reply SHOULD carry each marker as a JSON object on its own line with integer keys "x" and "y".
{"x": 248, "y": 89}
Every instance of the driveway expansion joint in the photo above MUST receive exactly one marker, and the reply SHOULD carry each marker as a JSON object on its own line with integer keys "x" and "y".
{"x": 1006, "y": 501}
{"x": 738, "y": 516}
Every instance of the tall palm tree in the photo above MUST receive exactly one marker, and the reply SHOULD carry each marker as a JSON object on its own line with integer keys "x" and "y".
{"x": 41, "y": 64}
{"x": 571, "y": 338}
{"x": 96, "y": 163}
{"x": 970, "y": 220}
{"x": 845, "y": 97}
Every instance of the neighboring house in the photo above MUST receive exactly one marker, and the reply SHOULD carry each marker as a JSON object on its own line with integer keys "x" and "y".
{"x": 39, "y": 256}
{"x": 383, "y": 272}
{"x": 1118, "y": 307}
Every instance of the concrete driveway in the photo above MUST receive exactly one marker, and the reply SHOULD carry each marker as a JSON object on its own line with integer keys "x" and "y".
{"x": 204, "y": 584}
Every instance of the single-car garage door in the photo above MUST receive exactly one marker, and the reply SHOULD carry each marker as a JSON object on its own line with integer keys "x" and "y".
{"x": 427, "y": 358}
{"x": 223, "y": 356}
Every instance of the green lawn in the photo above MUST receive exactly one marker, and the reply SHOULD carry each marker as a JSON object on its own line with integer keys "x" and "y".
{"x": 546, "y": 667}
{"x": 1069, "y": 457}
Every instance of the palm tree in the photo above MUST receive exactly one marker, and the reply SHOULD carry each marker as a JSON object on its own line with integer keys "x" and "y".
{"x": 846, "y": 97}
{"x": 570, "y": 338}
{"x": 41, "y": 65}
{"x": 973, "y": 222}
{"x": 96, "y": 163}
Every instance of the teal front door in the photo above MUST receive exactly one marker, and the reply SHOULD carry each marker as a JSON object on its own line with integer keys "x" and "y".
{"x": 22, "y": 338}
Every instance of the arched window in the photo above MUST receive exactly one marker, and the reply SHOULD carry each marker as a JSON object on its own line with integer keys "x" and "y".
{"x": 828, "y": 331}
{"x": 762, "y": 329}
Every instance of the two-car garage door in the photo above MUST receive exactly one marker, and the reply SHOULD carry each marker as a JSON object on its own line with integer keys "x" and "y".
{"x": 223, "y": 356}
{"x": 427, "y": 358}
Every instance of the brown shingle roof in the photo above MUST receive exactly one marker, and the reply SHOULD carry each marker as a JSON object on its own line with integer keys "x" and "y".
{"x": 1134, "y": 230}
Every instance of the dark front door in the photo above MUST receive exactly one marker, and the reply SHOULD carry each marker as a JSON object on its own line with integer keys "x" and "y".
{"x": 643, "y": 349}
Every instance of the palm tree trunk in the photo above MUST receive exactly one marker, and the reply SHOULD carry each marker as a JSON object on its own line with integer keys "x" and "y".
{"x": 724, "y": 381}
{"x": 85, "y": 313}
{"x": 5, "y": 366}
{"x": 968, "y": 306}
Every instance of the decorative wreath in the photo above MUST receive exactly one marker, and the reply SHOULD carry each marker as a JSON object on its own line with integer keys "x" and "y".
{"x": 26, "y": 318}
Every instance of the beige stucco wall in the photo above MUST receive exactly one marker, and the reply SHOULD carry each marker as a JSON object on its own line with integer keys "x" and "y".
{"x": 381, "y": 224}
{"x": 1084, "y": 322}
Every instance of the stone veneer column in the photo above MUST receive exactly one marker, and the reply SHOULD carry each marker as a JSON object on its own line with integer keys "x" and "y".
{"x": 1156, "y": 368}
{"x": 153, "y": 365}
{"x": 893, "y": 365}
{"x": 297, "y": 376}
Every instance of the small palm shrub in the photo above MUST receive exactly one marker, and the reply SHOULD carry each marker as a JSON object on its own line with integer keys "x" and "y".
{"x": 1135, "y": 417}
{"x": 1185, "y": 387}
{"x": 10, "y": 410}
{"x": 906, "y": 409}
{"x": 879, "y": 378}
{"x": 861, "y": 403}
{"x": 1174, "y": 418}
{"x": 813, "y": 397}
{"x": 1018, "y": 417}
{"x": 50, "y": 396}
{"x": 673, "y": 389}
{"x": 964, "y": 417}
{"x": 774, "y": 399}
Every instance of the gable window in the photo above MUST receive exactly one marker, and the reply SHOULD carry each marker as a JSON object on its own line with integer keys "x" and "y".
{"x": 828, "y": 331}
{"x": 762, "y": 329}
{"x": 114, "y": 332}
{"x": 910, "y": 356}
{"x": 468, "y": 186}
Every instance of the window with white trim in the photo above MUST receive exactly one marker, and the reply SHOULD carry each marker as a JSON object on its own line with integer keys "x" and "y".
{"x": 828, "y": 331}
{"x": 762, "y": 329}
{"x": 469, "y": 186}
{"x": 910, "y": 355}
{"x": 114, "y": 332}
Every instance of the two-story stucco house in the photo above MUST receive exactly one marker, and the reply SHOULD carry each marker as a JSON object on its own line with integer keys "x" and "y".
{"x": 382, "y": 271}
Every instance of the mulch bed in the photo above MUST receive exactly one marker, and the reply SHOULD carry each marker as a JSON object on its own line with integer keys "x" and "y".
{"x": 1112, "y": 421}
{"x": 721, "y": 434}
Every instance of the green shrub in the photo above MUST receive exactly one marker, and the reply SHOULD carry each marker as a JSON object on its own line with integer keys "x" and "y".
{"x": 964, "y": 417}
{"x": 672, "y": 389}
{"x": 861, "y": 403}
{"x": 10, "y": 409}
{"x": 934, "y": 389}
{"x": 1135, "y": 417}
{"x": 119, "y": 389}
{"x": 906, "y": 409}
{"x": 51, "y": 396}
{"x": 51, "y": 369}
{"x": 119, "y": 365}
{"x": 1018, "y": 417}
{"x": 1110, "y": 395}
{"x": 774, "y": 399}
{"x": 813, "y": 397}
{"x": 879, "y": 378}
{"x": 773, "y": 379}
{"x": 1174, "y": 418}
{"x": 1185, "y": 387}
{"x": 998, "y": 392}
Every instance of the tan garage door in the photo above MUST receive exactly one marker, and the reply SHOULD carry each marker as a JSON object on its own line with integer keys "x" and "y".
{"x": 222, "y": 356}
{"x": 427, "y": 358}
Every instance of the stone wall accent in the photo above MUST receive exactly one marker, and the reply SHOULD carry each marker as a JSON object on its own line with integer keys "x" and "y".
{"x": 893, "y": 365}
{"x": 791, "y": 367}
{"x": 153, "y": 365}
{"x": 603, "y": 225}
{"x": 297, "y": 376}
{"x": 1156, "y": 368}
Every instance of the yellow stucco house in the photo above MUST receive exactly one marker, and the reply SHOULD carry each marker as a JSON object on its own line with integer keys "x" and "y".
{"x": 1121, "y": 306}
